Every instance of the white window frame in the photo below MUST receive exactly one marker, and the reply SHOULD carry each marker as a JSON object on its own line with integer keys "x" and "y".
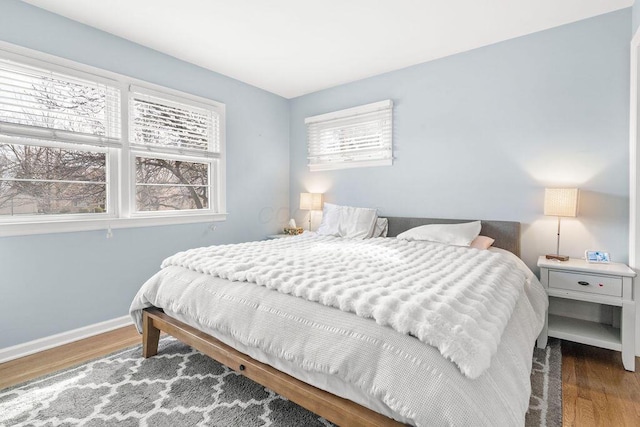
{"x": 213, "y": 202}
{"x": 120, "y": 165}
{"x": 212, "y": 158}
{"x": 357, "y": 115}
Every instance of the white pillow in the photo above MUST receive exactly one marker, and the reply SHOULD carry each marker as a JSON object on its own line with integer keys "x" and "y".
{"x": 451, "y": 234}
{"x": 347, "y": 221}
{"x": 329, "y": 226}
{"x": 381, "y": 228}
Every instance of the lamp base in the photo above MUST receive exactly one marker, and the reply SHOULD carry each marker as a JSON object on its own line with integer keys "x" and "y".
{"x": 558, "y": 257}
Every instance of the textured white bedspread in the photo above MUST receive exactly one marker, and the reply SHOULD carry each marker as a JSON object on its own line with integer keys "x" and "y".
{"x": 454, "y": 298}
{"x": 409, "y": 380}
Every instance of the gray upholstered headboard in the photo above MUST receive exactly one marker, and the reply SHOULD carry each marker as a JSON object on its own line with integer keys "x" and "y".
{"x": 506, "y": 233}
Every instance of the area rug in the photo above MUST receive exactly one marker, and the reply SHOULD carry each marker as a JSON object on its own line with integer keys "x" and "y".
{"x": 545, "y": 404}
{"x": 182, "y": 387}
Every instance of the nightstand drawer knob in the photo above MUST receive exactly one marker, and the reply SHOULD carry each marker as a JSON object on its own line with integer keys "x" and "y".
{"x": 583, "y": 283}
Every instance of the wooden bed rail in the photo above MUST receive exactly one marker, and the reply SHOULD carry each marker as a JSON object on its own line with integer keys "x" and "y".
{"x": 333, "y": 408}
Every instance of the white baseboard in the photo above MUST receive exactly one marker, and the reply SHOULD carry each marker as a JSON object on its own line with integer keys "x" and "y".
{"x": 41, "y": 344}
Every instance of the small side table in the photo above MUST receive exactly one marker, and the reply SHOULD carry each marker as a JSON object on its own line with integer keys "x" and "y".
{"x": 609, "y": 284}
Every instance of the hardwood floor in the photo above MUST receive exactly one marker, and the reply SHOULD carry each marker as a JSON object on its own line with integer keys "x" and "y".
{"x": 596, "y": 390}
{"x": 65, "y": 356}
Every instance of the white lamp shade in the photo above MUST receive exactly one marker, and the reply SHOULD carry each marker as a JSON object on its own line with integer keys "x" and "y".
{"x": 311, "y": 201}
{"x": 561, "y": 201}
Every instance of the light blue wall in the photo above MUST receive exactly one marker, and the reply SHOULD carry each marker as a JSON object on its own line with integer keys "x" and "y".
{"x": 477, "y": 135}
{"x": 635, "y": 17}
{"x": 480, "y": 134}
{"x": 54, "y": 283}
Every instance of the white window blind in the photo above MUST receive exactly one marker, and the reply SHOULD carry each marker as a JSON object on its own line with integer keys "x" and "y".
{"x": 175, "y": 146}
{"x": 161, "y": 122}
{"x": 83, "y": 148}
{"x": 38, "y": 103}
{"x": 355, "y": 137}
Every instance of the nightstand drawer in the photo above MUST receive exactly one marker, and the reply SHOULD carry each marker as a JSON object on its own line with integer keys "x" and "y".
{"x": 603, "y": 285}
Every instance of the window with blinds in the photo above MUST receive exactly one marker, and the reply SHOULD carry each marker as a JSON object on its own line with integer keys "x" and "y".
{"x": 81, "y": 145}
{"x": 170, "y": 126}
{"x": 355, "y": 137}
{"x": 54, "y": 130}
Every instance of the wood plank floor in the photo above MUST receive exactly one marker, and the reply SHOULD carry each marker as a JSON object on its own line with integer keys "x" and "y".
{"x": 596, "y": 390}
{"x": 65, "y": 356}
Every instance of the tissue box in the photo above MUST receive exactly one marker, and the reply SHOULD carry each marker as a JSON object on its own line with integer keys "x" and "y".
{"x": 293, "y": 231}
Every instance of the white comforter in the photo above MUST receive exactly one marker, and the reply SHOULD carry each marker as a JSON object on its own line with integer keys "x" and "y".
{"x": 390, "y": 372}
{"x": 454, "y": 298}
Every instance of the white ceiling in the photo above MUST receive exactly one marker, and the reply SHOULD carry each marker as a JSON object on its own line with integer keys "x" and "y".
{"x": 294, "y": 47}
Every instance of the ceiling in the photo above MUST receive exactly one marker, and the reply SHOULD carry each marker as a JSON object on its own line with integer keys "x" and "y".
{"x": 294, "y": 47}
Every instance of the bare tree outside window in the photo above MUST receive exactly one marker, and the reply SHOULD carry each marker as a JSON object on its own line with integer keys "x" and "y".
{"x": 70, "y": 177}
{"x": 167, "y": 184}
{"x": 171, "y": 185}
{"x": 43, "y": 180}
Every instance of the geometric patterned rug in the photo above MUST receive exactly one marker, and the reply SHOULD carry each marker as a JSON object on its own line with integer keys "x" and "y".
{"x": 178, "y": 387}
{"x": 545, "y": 404}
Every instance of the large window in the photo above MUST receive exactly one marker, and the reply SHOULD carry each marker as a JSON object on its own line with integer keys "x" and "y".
{"x": 81, "y": 147}
{"x": 355, "y": 137}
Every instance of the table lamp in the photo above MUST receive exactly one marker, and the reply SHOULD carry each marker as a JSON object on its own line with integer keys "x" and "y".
{"x": 311, "y": 202}
{"x": 560, "y": 202}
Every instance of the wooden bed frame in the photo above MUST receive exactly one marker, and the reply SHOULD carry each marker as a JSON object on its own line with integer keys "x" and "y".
{"x": 333, "y": 408}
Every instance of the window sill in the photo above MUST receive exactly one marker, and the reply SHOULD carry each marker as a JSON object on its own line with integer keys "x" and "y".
{"x": 67, "y": 226}
{"x": 316, "y": 167}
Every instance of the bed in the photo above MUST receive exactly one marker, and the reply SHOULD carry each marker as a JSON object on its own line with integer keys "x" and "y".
{"x": 374, "y": 375}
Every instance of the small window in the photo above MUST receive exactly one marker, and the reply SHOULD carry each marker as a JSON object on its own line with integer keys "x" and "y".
{"x": 355, "y": 137}
{"x": 175, "y": 146}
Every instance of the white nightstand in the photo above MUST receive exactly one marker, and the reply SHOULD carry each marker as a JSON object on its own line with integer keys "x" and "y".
{"x": 609, "y": 284}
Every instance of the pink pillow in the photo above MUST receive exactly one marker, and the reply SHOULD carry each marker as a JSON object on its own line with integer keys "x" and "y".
{"x": 482, "y": 242}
